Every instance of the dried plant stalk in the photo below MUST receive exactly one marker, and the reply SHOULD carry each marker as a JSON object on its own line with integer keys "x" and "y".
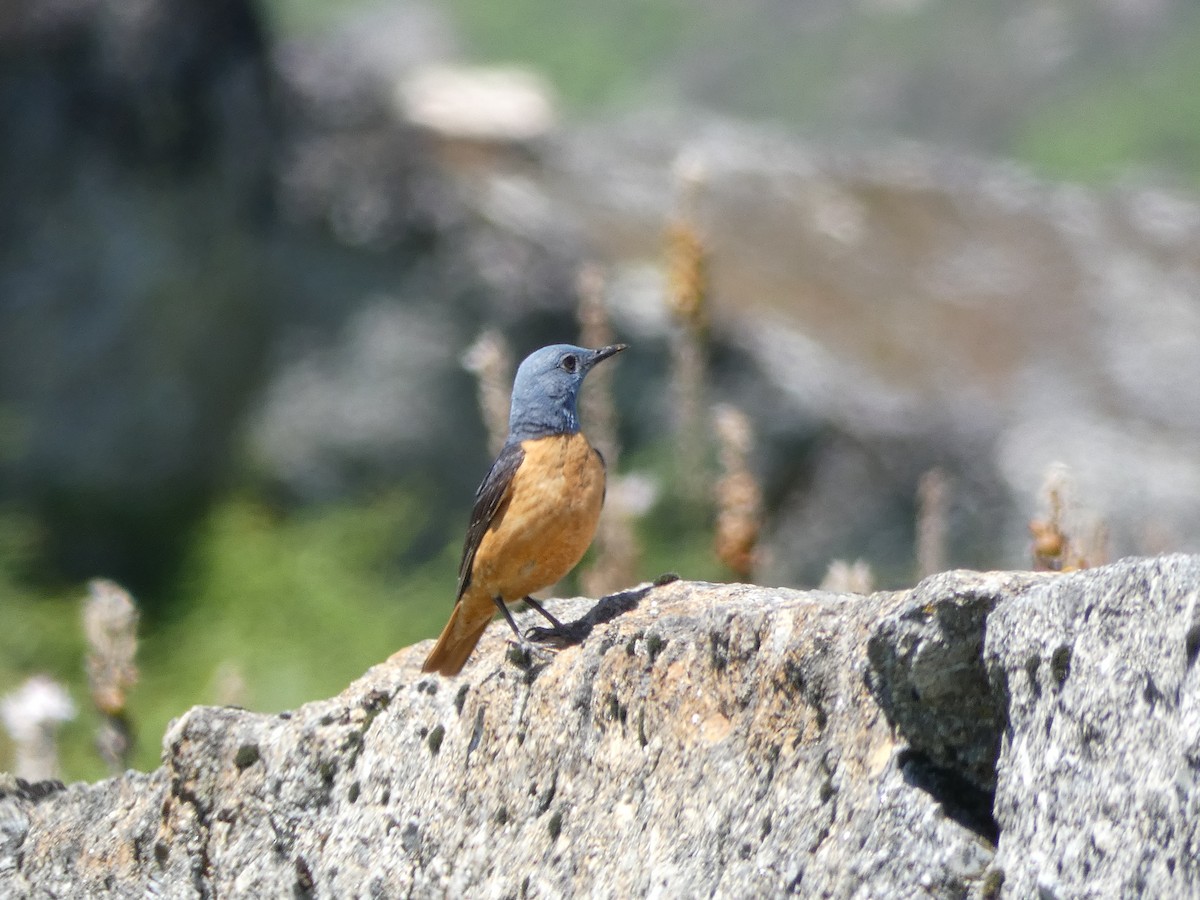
{"x": 1054, "y": 547}
{"x": 933, "y": 510}
{"x": 1051, "y": 544}
{"x": 599, "y": 411}
{"x": 489, "y": 359}
{"x": 738, "y": 494}
{"x": 616, "y": 546}
{"x": 617, "y": 549}
{"x": 687, "y": 275}
{"x": 110, "y": 621}
{"x": 688, "y": 286}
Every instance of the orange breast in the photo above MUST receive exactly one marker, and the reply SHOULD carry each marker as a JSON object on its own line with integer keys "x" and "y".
{"x": 549, "y": 523}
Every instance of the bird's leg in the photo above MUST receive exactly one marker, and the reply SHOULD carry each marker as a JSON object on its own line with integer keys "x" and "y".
{"x": 558, "y": 626}
{"x": 523, "y": 657}
{"x": 508, "y": 618}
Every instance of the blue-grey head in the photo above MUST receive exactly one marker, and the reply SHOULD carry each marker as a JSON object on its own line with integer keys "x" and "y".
{"x": 546, "y": 390}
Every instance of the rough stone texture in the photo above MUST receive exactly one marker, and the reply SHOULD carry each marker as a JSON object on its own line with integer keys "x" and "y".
{"x": 702, "y": 738}
{"x": 691, "y": 740}
{"x": 1097, "y": 790}
{"x": 928, "y": 673}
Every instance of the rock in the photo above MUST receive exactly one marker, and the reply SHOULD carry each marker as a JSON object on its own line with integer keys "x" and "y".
{"x": 701, "y": 737}
{"x": 1098, "y": 778}
{"x": 693, "y": 739}
{"x": 928, "y": 673}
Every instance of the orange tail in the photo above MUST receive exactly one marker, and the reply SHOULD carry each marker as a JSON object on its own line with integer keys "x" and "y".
{"x": 459, "y": 637}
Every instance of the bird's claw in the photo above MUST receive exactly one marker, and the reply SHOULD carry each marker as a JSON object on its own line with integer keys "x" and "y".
{"x": 555, "y": 637}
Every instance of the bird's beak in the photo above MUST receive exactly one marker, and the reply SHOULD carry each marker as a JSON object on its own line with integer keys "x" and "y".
{"x": 605, "y": 352}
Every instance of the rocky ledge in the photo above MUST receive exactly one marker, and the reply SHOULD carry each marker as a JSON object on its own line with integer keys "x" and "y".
{"x": 981, "y": 735}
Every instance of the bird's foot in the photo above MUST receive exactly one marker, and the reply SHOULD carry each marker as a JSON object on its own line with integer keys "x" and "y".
{"x": 557, "y": 637}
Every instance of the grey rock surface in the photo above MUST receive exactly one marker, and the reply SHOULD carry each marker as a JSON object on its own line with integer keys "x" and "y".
{"x": 692, "y": 739}
{"x": 928, "y": 673}
{"x": 1097, "y": 789}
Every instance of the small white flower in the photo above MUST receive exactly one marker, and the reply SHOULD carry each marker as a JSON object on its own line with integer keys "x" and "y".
{"x": 41, "y": 703}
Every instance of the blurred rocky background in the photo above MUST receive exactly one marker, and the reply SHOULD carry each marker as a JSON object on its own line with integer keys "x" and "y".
{"x": 245, "y": 248}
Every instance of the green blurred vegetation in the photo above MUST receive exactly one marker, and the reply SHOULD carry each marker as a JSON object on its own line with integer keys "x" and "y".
{"x": 40, "y": 632}
{"x": 1140, "y": 114}
{"x": 593, "y": 53}
{"x": 1112, "y": 112}
{"x": 282, "y": 609}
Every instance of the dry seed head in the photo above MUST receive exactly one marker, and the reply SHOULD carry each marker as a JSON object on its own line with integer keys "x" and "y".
{"x": 598, "y": 408}
{"x": 734, "y": 434}
{"x": 1064, "y": 539}
{"x": 616, "y": 556}
{"x": 738, "y": 494}
{"x": 687, "y": 275}
{"x": 595, "y": 330}
{"x": 1052, "y": 549}
{"x": 1049, "y": 544}
{"x": 849, "y": 578}
{"x": 687, "y": 255}
{"x": 110, "y": 621}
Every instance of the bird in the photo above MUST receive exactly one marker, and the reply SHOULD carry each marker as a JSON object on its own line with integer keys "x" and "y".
{"x": 536, "y": 511}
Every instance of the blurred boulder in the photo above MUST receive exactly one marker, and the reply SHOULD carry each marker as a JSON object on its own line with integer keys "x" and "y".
{"x": 396, "y": 258}
{"x": 883, "y": 312}
{"x": 135, "y": 209}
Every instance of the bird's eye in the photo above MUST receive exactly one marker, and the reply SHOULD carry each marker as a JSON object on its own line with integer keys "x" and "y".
{"x": 570, "y": 363}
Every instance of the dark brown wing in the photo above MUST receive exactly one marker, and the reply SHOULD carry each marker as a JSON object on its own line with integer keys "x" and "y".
{"x": 490, "y": 499}
{"x": 604, "y": 466}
